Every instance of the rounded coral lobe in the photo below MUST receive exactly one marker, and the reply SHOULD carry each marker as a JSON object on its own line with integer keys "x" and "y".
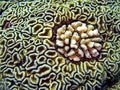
{"x": 78, "y": 41}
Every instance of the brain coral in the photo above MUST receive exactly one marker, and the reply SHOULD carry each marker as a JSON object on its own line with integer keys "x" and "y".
{"x": 34, "y": 37}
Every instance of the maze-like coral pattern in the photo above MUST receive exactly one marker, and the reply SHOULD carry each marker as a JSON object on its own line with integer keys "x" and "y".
{"x": 29, "y": 59}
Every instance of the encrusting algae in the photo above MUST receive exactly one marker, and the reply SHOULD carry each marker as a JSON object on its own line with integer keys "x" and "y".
{"x": 59, "y": 44}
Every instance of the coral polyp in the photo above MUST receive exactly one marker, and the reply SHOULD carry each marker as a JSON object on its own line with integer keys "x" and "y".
{"x": 78, "y": 41}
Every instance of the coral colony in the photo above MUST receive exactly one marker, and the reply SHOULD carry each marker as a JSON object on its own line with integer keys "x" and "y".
{"x": 59, "y": 44}
{"x": 78, "y": 40}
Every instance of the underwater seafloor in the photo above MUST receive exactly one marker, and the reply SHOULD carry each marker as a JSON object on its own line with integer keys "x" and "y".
{"x": 60, "y": 45}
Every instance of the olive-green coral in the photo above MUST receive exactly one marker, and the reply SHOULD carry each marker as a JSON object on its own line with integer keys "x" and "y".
{"x": 29, "y": 59}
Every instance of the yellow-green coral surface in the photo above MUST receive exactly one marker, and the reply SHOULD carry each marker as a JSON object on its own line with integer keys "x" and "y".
{"x": 29, "y": 59}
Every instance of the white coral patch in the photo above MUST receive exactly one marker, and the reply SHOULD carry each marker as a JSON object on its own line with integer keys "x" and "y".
{"x": 72, "y": 52}
{"x": 78, "y": 41}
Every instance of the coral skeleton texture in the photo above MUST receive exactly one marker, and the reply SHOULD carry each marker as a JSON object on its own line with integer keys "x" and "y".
{"x": 59, "y": 44}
